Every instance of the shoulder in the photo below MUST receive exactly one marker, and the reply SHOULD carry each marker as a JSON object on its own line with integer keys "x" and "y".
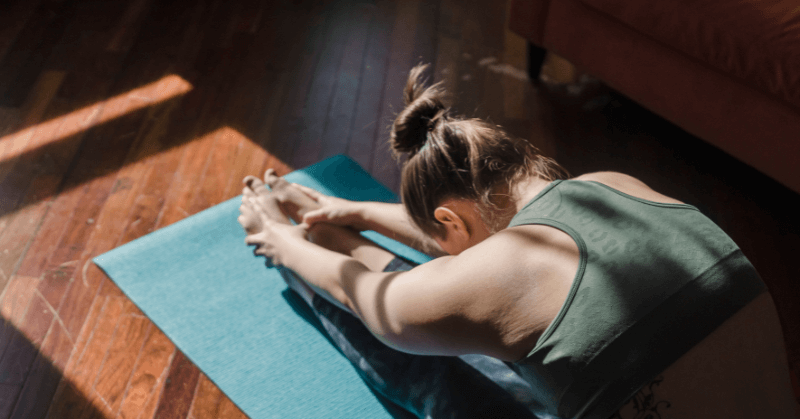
{"x": 494, "y": 298}
{"x": 627, "y": 184}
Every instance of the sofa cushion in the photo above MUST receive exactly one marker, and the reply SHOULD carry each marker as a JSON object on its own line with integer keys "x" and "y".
{"x": 757, "y": 41}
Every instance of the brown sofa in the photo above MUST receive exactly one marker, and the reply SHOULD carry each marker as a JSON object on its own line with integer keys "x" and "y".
{"x": 727, "y": 71}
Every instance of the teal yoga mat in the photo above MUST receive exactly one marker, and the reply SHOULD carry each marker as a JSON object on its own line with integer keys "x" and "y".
{"x": 235, "y": 318}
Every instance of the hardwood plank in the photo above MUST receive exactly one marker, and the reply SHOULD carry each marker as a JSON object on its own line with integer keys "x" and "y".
{"x": 13, "y": 308}
{"x": 22, "y": 349}
{"x": 214, "y": 180}
{"x": 14, "y": 303}
{"x": 185, "y": 197}
{"x": 15, "y": 240}
{"x": 268, "y": 114}
{"x": 492, "y": 22}
{"x": 123, "y": 133}
{"x": 448, "y": 46}
{"x": 153, "y": 400}
{"x": 471, "y": 78}
{"x": 251, "y": 16}
{"x": 253, "y": 108}
{"x": 25, "y": 46}
{"x": 118, "y": 365}
{"x": 148, "y": 375}
{"x": 128, "y": 26}
{"x": 50, "y": 233}
{"x": 490, "y": 96}
{"x": 179, "y": 389}
{"x": 10, "y": 118}
{"x": 366, "y": 125}
{"x": 14, "y": 17}
{"x": 26, "y": 135}
{"x": 339, "y": 120}
{"x": 206, "y": 402}
{"x": 8, "y": 398}
{"x": 45, "y": 374}
{"x": 515, "y": 90}
{"x": 425, "y": 35}
{"x": 189, "y": 120}
{"x": 68, "y": 398}
{"x": 320, "y": 96}
{"x": 109, "y": 232}
{"x": 58, "y": 16}
{"x": 67, "y": 257}
{"x": 383, "y": 166}
{"x": 250, "y": 159}
{"x": 180, "y": 195}
{"x": 291, "y": 123}
{"x": 58, "y": 160}
{"x": 151, "y": 177}
{"x": 74, "y": 397}
{"x": 229, "y": 410}
{"x": 93, "y": 70}
{"x": 211, "y": 403}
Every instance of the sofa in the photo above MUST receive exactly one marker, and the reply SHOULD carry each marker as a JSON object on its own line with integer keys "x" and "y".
{"x": 726, "y": 71}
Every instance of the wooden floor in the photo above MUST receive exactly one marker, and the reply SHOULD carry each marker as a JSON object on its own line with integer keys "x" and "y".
{"x": 121, "y": 117}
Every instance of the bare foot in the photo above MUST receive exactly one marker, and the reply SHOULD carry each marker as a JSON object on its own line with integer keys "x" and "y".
{"x": 293, "y": 201}
{"x": 262, "y": 202}
{"x": 254, "y": 205}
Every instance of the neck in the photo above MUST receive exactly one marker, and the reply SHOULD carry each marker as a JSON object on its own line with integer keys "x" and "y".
{"x": 526, "y": 190}
{"x": 510, "y": 202}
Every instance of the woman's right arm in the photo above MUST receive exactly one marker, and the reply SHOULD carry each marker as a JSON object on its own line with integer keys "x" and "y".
{"x": 391, "y": 220}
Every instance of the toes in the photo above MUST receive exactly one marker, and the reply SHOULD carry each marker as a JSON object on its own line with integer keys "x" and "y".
{"x": 274, "y": 181}
{"x": 253, "y": 183}
{"x": 269, "y": 206}
{"x": 247, "y": 192}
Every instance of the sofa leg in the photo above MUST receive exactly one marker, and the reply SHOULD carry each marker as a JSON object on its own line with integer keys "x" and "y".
{"x": 536, "y": 56}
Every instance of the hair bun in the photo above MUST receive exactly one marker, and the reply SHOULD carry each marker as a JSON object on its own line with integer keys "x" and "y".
{"x": 424, "y": 109}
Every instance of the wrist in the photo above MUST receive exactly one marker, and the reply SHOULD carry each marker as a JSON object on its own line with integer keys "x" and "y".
{"x": 361, "y": 216}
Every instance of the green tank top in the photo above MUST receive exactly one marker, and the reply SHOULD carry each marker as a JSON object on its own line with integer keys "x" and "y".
{"x": 653, "y": 280}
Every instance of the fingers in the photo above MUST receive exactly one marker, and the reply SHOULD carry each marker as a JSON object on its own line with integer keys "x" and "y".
{"x": 316, "y": 216}
{"x": 313, "y": 194}
{"x": 254, "y": 239}
{"x": 260, "y": 251}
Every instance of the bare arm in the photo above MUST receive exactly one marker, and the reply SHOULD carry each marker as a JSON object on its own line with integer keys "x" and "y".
{"x": 438, "y": 308}
{"x": 391, "y": 220}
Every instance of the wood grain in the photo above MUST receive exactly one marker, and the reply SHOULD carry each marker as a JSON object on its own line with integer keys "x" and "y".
{"x": 96, "y": 152}
{"x": 399, "y": 62}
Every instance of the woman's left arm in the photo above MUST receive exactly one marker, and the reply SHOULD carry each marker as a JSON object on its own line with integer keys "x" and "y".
{"x": 427, "y": 310}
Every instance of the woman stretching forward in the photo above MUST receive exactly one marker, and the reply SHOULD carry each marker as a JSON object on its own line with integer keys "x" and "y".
{"x": 605, "y": 298}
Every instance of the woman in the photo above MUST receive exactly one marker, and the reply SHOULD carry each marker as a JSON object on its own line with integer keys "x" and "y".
{"x": 604, "y": 296}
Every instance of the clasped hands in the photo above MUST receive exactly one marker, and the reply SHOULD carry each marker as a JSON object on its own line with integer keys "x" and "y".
{"x": 265, "y": 214}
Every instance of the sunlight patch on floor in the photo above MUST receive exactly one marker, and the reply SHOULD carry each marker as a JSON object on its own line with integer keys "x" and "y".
{"x": 168, "y": 87}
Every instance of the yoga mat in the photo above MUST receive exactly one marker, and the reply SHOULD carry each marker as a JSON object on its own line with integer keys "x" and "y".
{"x": 234, "y": 317}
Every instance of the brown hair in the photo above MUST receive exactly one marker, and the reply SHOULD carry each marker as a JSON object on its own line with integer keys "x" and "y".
{"x": 454, "y": 157}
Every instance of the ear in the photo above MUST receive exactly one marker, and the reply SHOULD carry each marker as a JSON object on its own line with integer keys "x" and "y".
{"x": 456, "y": 229}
